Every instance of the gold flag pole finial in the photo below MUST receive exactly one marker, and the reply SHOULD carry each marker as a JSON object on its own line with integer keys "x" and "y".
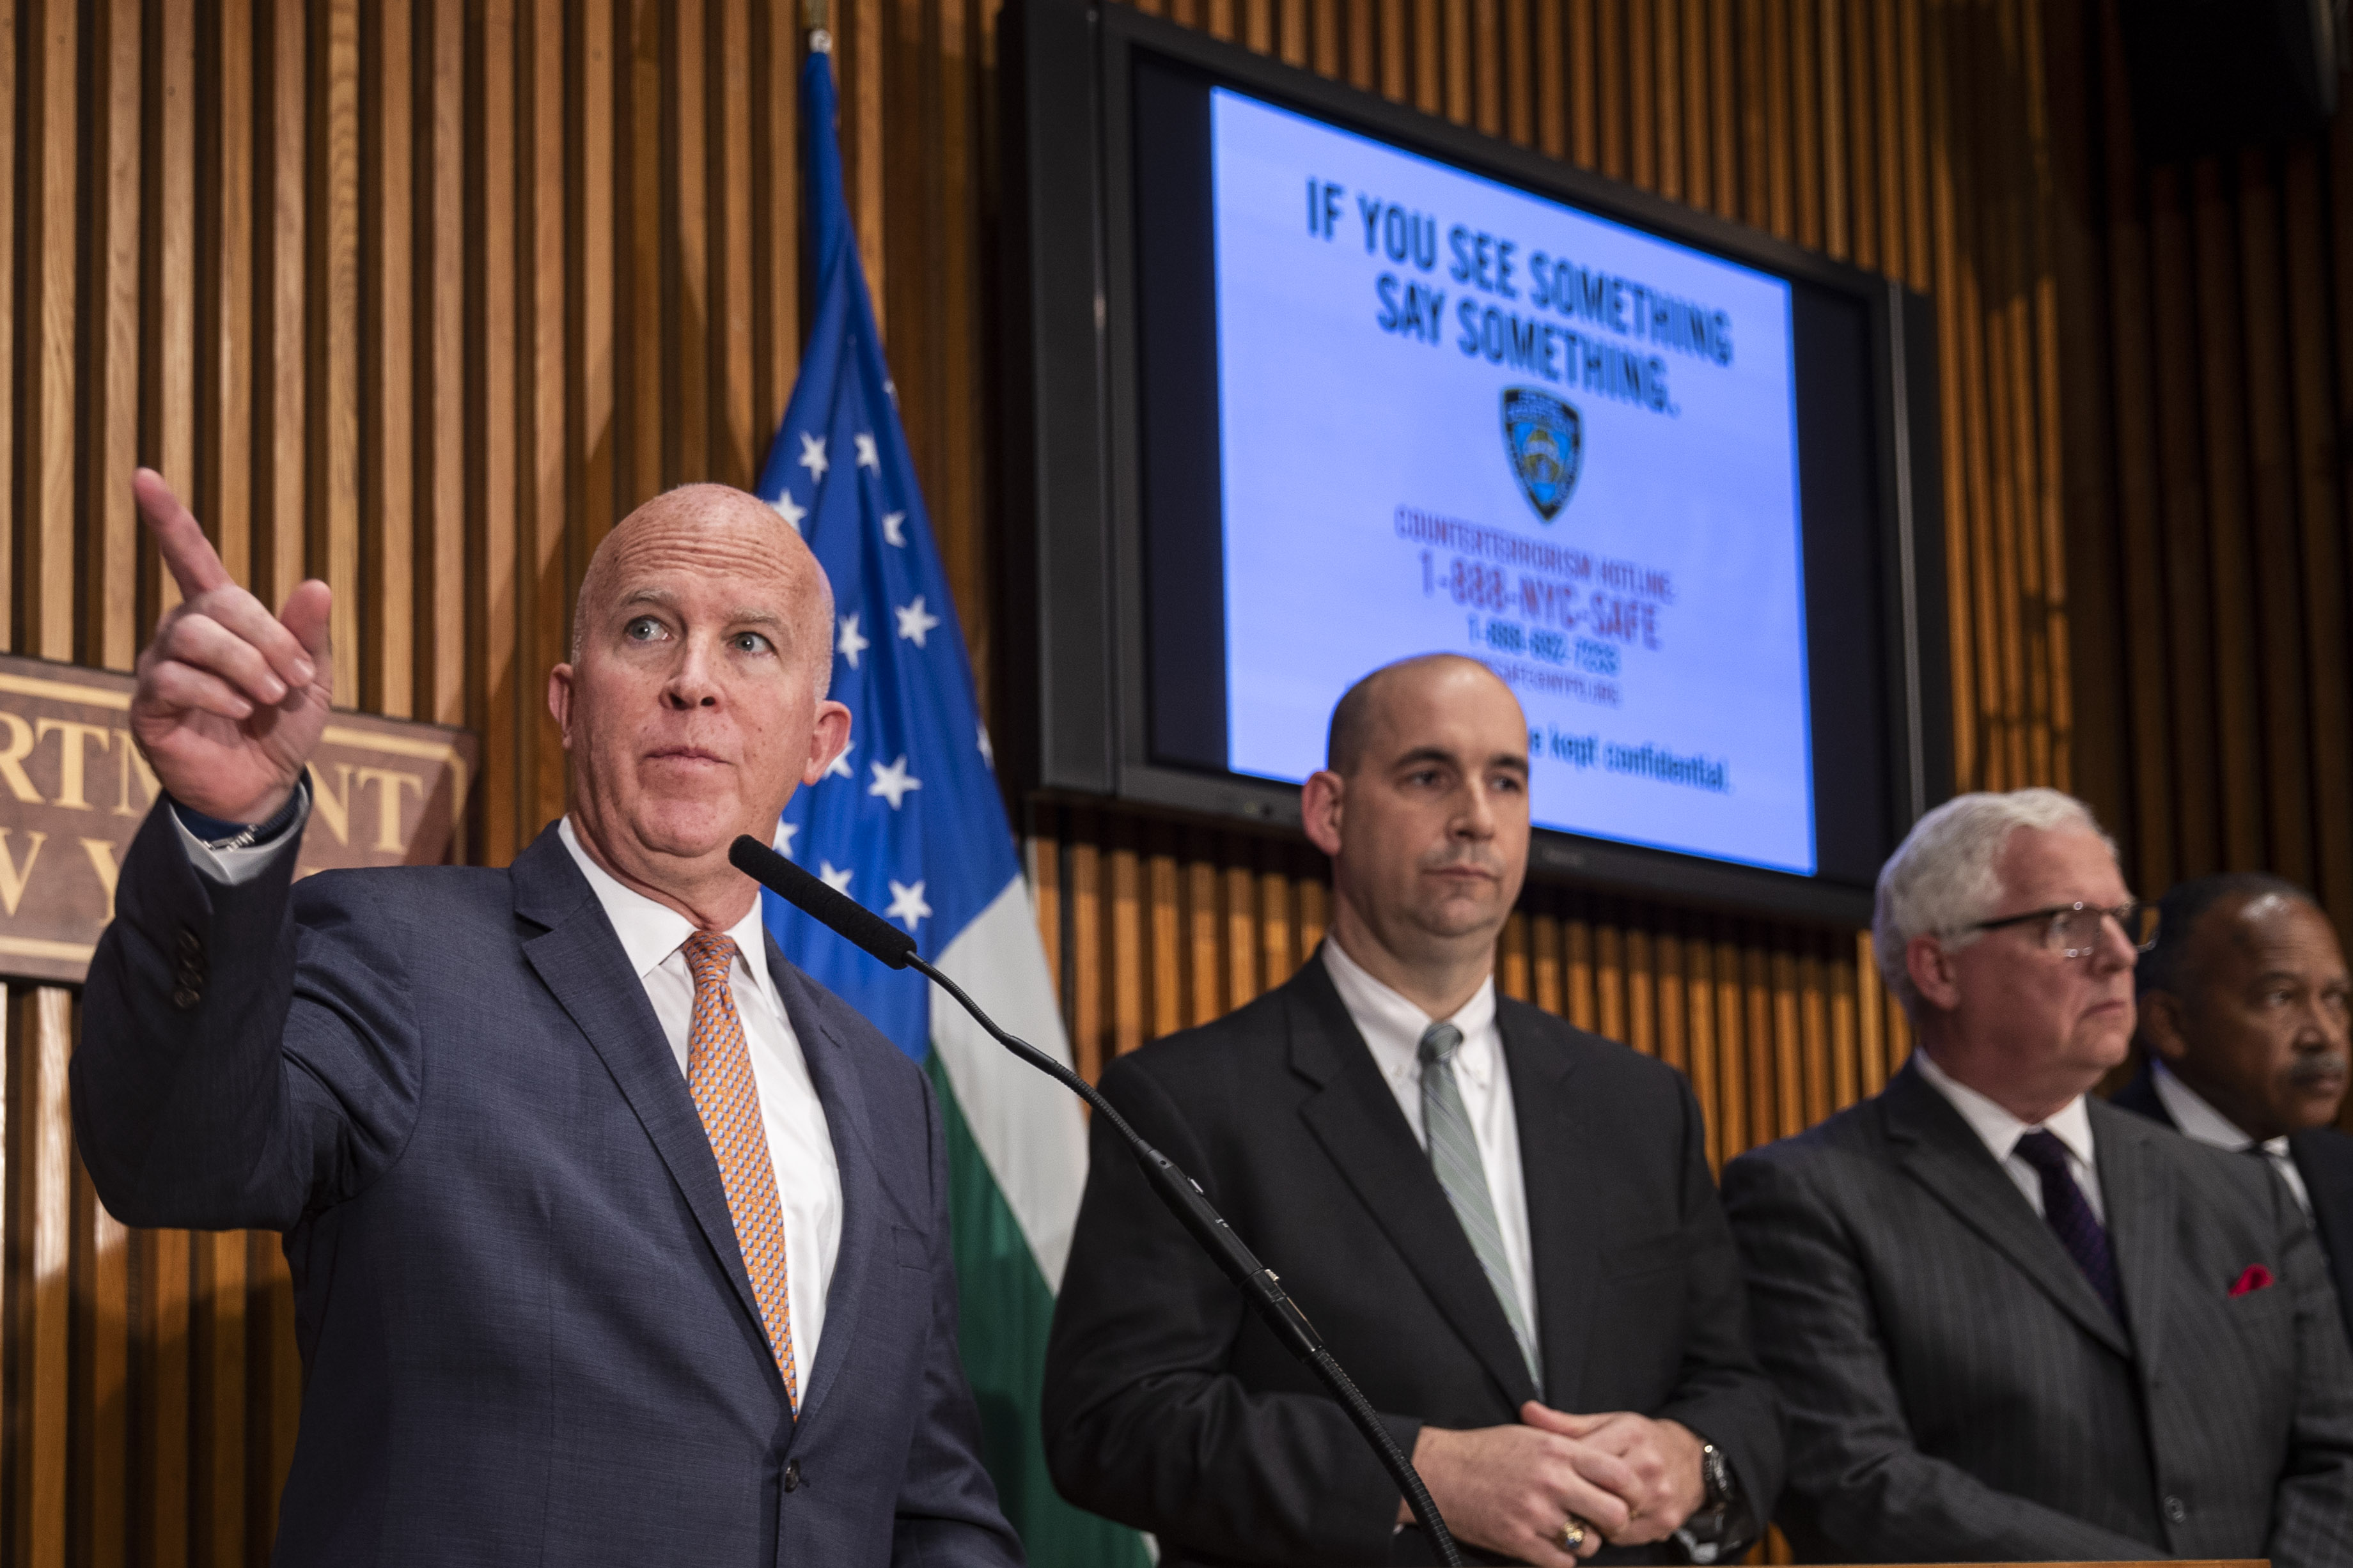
{"x": 814, "y": 19}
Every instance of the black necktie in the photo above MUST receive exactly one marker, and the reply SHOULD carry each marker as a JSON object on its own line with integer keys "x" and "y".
{"x": 2070, "y": 1216}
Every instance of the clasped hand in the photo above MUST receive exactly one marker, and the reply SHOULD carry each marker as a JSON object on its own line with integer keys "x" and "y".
{"x": 1510, "y": 1488}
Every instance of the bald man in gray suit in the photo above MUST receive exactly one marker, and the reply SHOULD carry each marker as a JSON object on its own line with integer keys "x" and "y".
{"x": 2008, "y": 1321}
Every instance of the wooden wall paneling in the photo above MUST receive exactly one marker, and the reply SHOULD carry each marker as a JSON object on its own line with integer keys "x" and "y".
{"x": 2277, "y": 614}
{"x": 388, "y": 445}
{"x": 48, "y": 304}
{"x": 1544, "y": 962}
{"x": 1162, "y": 893}
{"x": 2228, "y": 578}
{"x": 1130, "y": 974}
{"x": 588, "y": 171}
{"x": 39, "y": 1258}
{"x": 546, "y": 456}
{"x": 1668, "y": 999}
{"x": 99, "y": 1489}
{"x": 641, "y": 385}
{"x": 1578, "y": 971}
{"x": 1841, "y": 992}
{"x": 1609, "y": 939}
{"x": 1091, "y": 1045}
{"x": 2188, "y": 625}
{"x": 1859, "y": 134}
{"x": 10, "y": 509}
{"x": 220, "y": 1359}
{"x": 742, "y": 446}
{"x": 1655, "y": 37}
{"x": 1699, "y": 1007}
{"x": 330, "y": 490}
{"x": 281, "y": 428}
{"x": 1814, "y": 1044}
{"x": 444, "y": 642}
{"x": 108, "y": 386}
{"x": 2320, "y": 565}
{"x": 1640, "y": 979}
{"x": 1730, "y": 1016}
{"x": 491, "y": 426}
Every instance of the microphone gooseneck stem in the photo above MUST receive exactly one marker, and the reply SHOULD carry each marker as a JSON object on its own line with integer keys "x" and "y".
{"x": 1257, "y": 1282}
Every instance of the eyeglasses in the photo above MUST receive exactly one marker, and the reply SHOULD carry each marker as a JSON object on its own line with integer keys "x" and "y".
{"x": 2072, "y": 930}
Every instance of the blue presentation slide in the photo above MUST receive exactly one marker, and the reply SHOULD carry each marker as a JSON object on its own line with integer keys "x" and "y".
{"x": 1455, "y": 416}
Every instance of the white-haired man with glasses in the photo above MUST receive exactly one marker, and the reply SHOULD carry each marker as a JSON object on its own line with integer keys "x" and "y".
{"x": 2006, "y": 1321}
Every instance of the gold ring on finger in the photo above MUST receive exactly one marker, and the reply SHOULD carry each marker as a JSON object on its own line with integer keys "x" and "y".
{"x": 1572, "y": 1533}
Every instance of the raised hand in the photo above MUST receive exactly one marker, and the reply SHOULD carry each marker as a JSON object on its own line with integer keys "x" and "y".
{"x": 231, "y": 699}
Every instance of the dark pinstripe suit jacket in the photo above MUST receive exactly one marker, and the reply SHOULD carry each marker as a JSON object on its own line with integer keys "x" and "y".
{"x": 2324, "y": 1158}
{"x": 1956, "y": 1391}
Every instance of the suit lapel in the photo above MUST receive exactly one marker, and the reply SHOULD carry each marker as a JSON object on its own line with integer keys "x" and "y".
{"x": 1356, "y": 1119}
{"x": 582, "y": 962}
{"x": 1940, "y": 1151}
{"x": 1563, "y": 1232}
{"x": 2137, "y": 1190}
{"x": 855, "y": 1265}
{"x": 2324, "y": 1158}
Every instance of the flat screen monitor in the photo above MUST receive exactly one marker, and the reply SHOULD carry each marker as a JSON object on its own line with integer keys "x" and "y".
{"x": 1346, "y": 386}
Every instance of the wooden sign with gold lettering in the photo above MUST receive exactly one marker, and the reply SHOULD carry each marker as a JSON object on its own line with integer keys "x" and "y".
{"x": 73, "y": 789}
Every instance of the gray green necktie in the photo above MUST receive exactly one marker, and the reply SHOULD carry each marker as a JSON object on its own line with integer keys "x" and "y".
{"x": 1454, "y": 1154}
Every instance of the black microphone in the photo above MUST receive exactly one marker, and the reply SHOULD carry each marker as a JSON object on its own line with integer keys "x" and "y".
{"x": 845, "y": 916}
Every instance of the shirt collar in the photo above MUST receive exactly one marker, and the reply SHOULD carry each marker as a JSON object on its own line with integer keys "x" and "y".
{"x": 651, "y": 932}
{"x": 1393, "y": 1026}
{"x": 1999, "y": 1129}
{"x": 2198, "y": 1119}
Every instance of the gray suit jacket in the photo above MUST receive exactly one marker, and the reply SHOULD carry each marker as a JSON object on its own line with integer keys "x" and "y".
{"x": 1957, "y": 1391}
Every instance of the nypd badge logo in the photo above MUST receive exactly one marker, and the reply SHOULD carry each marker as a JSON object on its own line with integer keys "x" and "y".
{"x": 1546, "y": 442}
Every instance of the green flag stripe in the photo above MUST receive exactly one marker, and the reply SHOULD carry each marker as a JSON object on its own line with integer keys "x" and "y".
{"x": 1005, "y": 1310}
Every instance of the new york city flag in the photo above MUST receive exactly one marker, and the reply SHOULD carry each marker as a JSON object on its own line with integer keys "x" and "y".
{"x": 909, "y": 822}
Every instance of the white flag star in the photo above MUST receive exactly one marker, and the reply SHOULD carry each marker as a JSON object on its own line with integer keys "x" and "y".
{"x": 907, "y": 904}
{"x": 851, "y": 644}
{"x": 868, "y": 458}
{"x": 839, "y": 766}
{"x": 813, "y": 456}
{"x": 914, "y": 621}
{"x": 892, "y": 521}
{"x": 784, "y": 845}
{"x": 987, "y": 752}
{"x": 837, "y": 880}
{"x": 892, "y": 781}
{"x": 791, "y": 511}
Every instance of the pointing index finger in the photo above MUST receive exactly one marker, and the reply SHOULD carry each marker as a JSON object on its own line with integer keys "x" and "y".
{"x": 188, "y": 553}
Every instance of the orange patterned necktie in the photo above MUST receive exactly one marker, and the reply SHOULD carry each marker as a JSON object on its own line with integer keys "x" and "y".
{"x": 719, "y": 1076}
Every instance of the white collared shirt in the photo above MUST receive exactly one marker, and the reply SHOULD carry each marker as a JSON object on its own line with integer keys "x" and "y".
{"x": 2000, "y": 1131}
{"x": 800, "y": 1149}
{"x": 2197, "y": 1120}
{"x": 1393, "y": 1026}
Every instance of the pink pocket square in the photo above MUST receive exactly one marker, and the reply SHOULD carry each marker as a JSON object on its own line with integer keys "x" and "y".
{"x": 2257, "y": 1278}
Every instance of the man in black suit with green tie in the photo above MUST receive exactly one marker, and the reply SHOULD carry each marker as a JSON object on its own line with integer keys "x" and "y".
{"x": 2243, "y": 1023}
{"x": 1504, "y": 1227}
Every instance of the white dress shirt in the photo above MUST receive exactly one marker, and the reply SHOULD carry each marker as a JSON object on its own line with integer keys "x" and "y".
{"x": 2201, "y": 1120}
{"x": 2000, "y": 1131}
{"x": 800, "y": 1149}
{"x": 1393, "y": 1027}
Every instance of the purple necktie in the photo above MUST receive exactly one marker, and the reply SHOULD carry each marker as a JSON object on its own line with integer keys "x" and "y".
{"x": 2070, "y": 1216}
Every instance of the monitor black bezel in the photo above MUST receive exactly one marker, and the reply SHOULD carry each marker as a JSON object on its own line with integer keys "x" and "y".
{"x": 1075, "y": 672}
